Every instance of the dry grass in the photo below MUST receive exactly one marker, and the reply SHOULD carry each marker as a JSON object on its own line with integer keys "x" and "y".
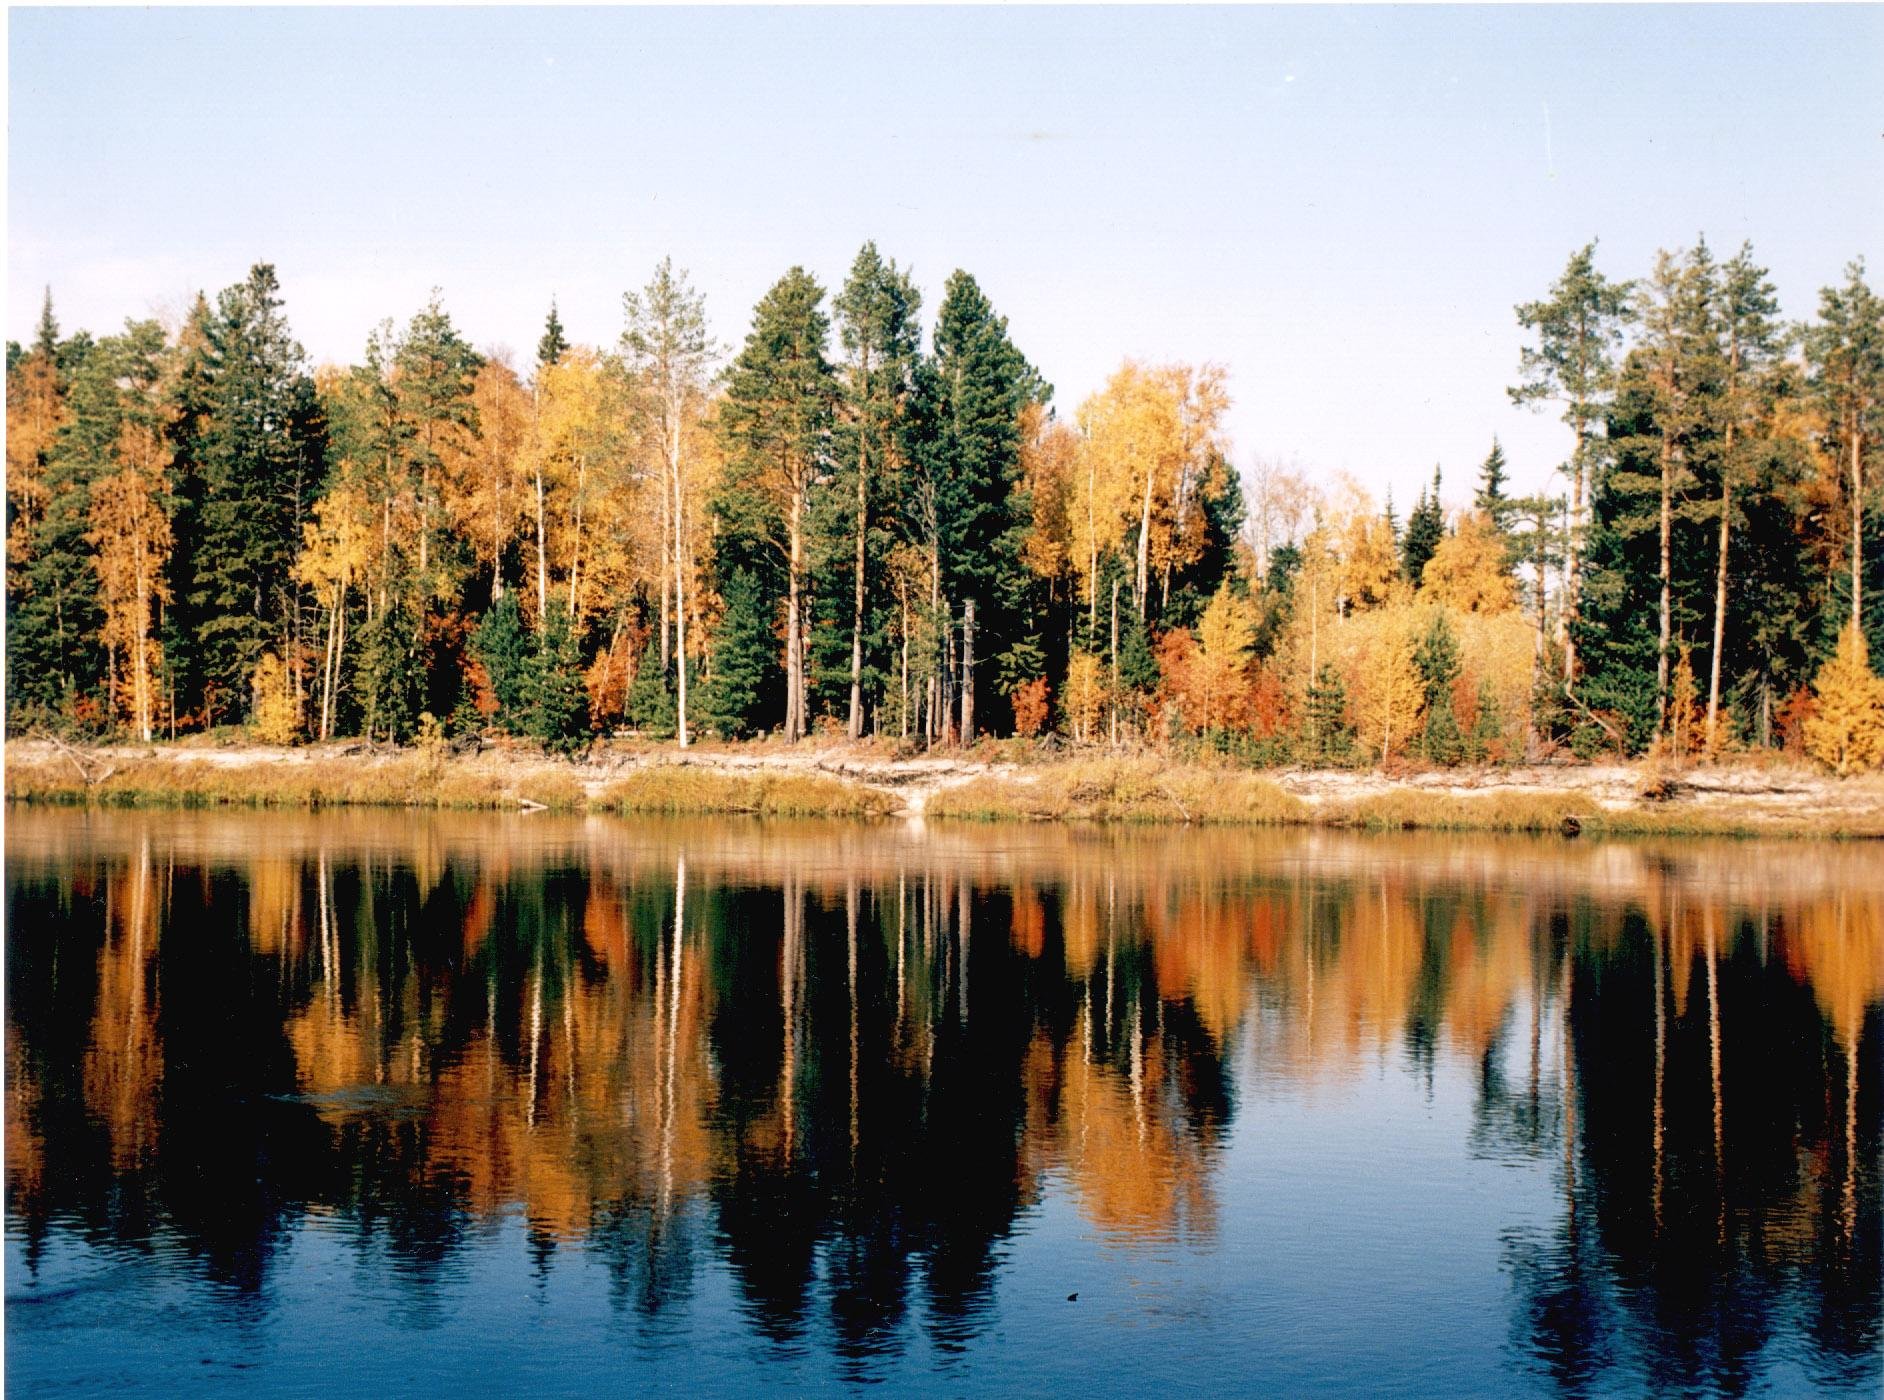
{"x": 684, "y": 788}
{"x": 1128, "y": 789}
{"x": 1122, "y": 790}
{"x": 403, "y": 780}
{"x": 1409, "y": 810}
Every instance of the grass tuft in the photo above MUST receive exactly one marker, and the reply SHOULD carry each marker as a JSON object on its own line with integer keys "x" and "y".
{"x": 1121, "y": 790}
{"x": 682, "y": 788}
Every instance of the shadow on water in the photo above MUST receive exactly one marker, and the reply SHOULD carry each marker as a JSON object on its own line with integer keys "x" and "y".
{"x": 848, "y": 1068}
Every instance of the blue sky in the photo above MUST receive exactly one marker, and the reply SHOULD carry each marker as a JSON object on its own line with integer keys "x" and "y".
{"x": 1341, "y": 205}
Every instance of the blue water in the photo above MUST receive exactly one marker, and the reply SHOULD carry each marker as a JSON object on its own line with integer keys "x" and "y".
{"x": 474, "y": 1105}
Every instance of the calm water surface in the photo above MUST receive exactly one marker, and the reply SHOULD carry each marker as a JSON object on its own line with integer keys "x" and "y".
{"x": 372, "y": 1102}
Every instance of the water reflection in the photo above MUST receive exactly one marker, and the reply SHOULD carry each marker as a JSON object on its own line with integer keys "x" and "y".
{"x": 849, "y": 1065}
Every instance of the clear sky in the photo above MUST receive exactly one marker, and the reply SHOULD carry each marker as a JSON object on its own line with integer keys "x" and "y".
{"x": 1341, "y": 205}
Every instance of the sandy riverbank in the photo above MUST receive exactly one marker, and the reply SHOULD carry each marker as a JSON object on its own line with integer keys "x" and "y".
{"x": 993, "y": 782}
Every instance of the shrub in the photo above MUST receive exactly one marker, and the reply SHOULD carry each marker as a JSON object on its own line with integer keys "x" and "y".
{"x": 277, "y": 715}
{"x": 1030, "y": 707}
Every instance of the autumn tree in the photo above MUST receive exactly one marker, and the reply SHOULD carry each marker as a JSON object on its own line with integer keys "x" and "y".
{"x": 1220, "y": 681}
{"x": 1469, "y": 569}
{"x": 488, "y": 496}
{"x": 1389, "y": 693}
{"x": 37, "y": 564}
{"x": 130, "y": 528}
{"x": 1846, "y": 730}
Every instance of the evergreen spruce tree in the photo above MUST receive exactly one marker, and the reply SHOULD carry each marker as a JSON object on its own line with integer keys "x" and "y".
{"x": 651, "y": 706}
{"x": 1328, "y": 733}
{"x": 1482, "y": 744}
{"x": 1425, "y": 528}
{"x": 554, "y": 343}
{"x": 56, "y": 663}
{"x": 558, "y": 700}
{"x": 1438, "y": 664}
{"x": 503, "y": 645}
{"x": 775, "y": 420}
{"x": 881, "y": 339}
{"x": 258, "y": 446}
{"x": 745, "y": 661}
{"x": 1490, "y": 496}
{"x": 971, "y": 514}
{"x": 389, "y": 673}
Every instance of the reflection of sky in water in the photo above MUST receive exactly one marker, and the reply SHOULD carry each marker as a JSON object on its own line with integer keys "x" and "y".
{"x": 388, "y": 1101}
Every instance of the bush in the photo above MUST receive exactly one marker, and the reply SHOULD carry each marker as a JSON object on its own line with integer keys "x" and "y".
{"x": 277, "y": 715}
{"x": 1030, "y": 707}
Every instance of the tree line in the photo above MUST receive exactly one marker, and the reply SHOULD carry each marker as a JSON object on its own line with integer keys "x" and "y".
{"x": 848, "y": 525}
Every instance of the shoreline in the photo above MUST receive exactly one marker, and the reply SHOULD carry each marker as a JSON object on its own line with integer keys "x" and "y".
{"x": 993, "y": 783}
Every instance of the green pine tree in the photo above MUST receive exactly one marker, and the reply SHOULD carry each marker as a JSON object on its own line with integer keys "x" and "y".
{"x": 1438, "y": 663}
{"x": 745, "y": 661}
{"x": 775, "y": 419}
{"x": 1490, "y": 496}
{"x": 1328, "y": 734}
{"x": 554, "y": 343}
{"x": 652, "y": 709}
{"x": 1425, "y": 528}
{"x": 881, "y": 338}
{"x": 558, "y": 715}
{"x": 503, "y": 645}
{"x": 257, "y": 448}
{"x": 970, "y": 515}
{"x": 1484, "y": 741}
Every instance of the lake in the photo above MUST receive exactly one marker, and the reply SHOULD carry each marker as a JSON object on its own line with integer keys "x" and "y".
{"x": 364, "y": 1102}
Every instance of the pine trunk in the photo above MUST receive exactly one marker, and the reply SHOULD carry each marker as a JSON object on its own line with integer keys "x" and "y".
{"x": 794, "y": 639}
{"x": 857, "y": 601}
{"x": 1720, "y": 612}
{"x": 1572, "y": 566}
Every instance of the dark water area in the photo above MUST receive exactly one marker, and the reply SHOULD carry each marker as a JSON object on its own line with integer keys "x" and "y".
{"x": 380, "y": 1102}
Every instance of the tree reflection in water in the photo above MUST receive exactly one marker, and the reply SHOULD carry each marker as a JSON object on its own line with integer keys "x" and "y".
{"x": 847, "y": 1063}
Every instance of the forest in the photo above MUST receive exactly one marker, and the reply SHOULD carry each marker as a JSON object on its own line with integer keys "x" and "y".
{"x": 858, "y": 523}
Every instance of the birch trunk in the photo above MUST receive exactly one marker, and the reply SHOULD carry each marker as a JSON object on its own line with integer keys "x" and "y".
{"x": 680, "y": 570}
{"x": 1667, "y": 535}
{"x": 968, "y": 672}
